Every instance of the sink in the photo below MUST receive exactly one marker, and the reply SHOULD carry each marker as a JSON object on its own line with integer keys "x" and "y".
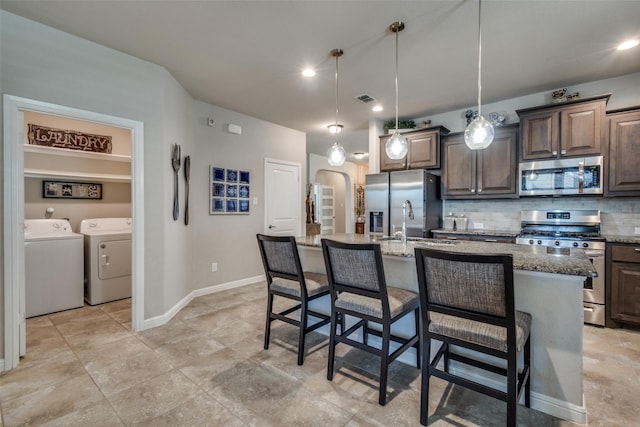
{"x": 392, "y": 238}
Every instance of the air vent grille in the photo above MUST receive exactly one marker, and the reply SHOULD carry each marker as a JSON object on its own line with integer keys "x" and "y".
{"x": 365, "y": 99}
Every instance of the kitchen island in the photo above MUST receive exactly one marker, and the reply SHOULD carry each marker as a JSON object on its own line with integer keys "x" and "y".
{"x": 548, "y": 285}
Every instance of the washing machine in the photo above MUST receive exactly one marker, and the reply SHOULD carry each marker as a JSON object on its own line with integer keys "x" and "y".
{"x": 53, "y": 261}
{"x": 107, "y": 259}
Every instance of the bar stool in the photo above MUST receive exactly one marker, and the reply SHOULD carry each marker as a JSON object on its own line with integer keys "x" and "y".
{"x": 359, "y": 289}
{"x": 467, "y": 300}
{"x": 286, "y": 279}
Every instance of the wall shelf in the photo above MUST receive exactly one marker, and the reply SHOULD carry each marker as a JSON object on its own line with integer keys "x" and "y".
{"x": 56, "y": 174}
{"x": 39, "y": 149}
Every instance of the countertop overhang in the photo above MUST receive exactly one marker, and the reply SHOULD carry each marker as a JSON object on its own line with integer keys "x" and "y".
{"x": 569, "y": 261}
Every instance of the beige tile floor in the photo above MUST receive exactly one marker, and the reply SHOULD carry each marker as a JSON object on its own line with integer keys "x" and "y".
{"x": 207, "y": 367}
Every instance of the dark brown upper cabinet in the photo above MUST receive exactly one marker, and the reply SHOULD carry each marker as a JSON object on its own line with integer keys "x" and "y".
{"x": 624, "y": 152}
{"x": 571, "y": 129}
{"x": 489, "y": 173}
{"x": 424, "y": 150}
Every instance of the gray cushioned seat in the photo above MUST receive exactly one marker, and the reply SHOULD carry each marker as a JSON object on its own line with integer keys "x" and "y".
{"x": 478, "y": 332}
{"x": 399, "y": 301}
{"x": 316, "y": 283}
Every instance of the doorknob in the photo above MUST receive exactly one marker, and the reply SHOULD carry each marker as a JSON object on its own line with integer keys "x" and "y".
{"x": 271, "y": 226}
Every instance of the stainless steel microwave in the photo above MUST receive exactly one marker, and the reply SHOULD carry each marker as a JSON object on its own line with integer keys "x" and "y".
{"x": 573, "y": 176}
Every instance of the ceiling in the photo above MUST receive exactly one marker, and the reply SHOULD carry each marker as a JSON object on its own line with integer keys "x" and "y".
{"x": 247, "y": 56}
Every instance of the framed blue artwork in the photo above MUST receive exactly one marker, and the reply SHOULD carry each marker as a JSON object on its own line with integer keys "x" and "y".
{"x": 229, "y": 191}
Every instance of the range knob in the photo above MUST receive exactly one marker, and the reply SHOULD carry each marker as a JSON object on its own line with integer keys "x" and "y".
{"x": 557, "y": 243}
{"x": 575, "y": 244}
{"x": 539, "y": 242}
{"x": 531, "y": 241}
{"x": 585, "y": 245}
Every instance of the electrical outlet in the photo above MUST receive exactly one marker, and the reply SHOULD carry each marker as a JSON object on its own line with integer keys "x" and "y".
{"x": 478, "y": 225}
{"x": 214, "y": 267}
{"x": 637, "y": 230}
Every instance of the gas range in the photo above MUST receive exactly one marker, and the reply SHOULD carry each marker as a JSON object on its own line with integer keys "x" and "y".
{"x": 561, "y": 229}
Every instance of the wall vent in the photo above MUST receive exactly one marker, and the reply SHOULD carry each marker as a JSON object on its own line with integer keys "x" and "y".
{"x": 365, "y": 99}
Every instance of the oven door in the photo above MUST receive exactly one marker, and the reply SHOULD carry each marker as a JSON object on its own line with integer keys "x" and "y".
{"x": 594, "y": 301}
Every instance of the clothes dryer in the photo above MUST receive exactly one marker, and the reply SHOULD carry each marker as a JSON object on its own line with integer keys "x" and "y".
{"x": 107, "y": 259}
{"x": 53, "y": 256}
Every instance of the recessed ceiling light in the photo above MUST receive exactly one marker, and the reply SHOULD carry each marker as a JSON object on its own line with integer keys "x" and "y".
{"x": 628, "y": 44}
{"x": 377, "y": 108}
{"x": 308, "y": 72}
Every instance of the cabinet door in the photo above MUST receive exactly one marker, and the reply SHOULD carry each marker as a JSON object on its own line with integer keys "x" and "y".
{"x": 582, "y": 129}
{"x": 540, "y": 132}
{"x": 459, "y": 171}
{"x": 624, "y": 153}
{"x": 625, "y": 292}
{"x": 497, "y": 164}
{"x": 424, "y": 150}
{"x": 387, "y": 164}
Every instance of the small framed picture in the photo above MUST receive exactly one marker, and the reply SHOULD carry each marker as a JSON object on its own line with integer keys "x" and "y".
{"x": 71, "y": 190}
{"x": 229, "y": 191}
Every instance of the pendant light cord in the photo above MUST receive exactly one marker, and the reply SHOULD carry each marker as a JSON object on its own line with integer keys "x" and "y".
{"x": 397, "y": 30}
{"x": 337, "y": 94}
{"x": 479, "y": 57}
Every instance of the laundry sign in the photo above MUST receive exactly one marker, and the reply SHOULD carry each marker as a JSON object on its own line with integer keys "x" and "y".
{"x": 69, "y": 139}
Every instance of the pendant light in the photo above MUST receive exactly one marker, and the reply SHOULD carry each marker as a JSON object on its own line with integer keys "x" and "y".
{"x": 397, "y": 146}
{"x": 479, "y": 133}
{"x": 336, "y": 154}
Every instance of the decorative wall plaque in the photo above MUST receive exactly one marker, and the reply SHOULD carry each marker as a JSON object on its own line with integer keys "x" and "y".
{"x": 71, "y": 190}
{"x": 229, "y": 191}
{"x": 69, "y": 139}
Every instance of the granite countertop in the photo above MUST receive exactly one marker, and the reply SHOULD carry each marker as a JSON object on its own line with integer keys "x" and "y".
{"x": 619, "y": 238}
{"x": 525, "y": 257}
{"x": 481, "y": 232}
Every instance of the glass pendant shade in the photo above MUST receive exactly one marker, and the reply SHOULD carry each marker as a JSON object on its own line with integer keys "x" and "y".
{"x": 336, "y": 155}
{"x": 397, "y": 146}
{"x": 479, "y": 133}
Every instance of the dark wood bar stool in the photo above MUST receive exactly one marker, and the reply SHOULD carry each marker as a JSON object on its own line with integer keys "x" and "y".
{"x": 359, "y": 289}
{"x": 467, "y": 300}
{"x": 286, "y": 279}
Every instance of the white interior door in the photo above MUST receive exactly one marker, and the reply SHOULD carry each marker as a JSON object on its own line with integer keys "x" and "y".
{"x": 282, "y": 198}
{"x": 325, "y": 195}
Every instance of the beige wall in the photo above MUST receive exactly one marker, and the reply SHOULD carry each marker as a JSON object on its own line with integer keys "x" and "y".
{"x": 115, "y": 203}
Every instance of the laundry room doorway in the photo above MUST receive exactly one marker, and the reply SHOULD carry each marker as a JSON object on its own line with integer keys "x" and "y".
{"x": 121, "y": 172}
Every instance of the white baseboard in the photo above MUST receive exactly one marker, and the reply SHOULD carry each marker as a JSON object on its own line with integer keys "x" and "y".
{"x": 164, "y": 318}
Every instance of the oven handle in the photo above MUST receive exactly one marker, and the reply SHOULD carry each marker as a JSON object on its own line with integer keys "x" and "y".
{"x": 594, "y": 253}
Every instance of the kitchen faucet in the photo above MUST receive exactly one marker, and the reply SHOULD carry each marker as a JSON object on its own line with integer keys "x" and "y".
{"x": 404, "y": 218}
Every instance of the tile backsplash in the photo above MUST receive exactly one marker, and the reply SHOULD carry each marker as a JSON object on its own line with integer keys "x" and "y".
{"x": 620, "y": 215}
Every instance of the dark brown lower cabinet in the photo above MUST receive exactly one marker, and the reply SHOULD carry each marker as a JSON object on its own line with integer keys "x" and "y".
{"x": 624, "y": 283}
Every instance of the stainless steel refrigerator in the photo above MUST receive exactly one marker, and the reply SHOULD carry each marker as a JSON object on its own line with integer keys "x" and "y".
{"x": 385, "y": 194}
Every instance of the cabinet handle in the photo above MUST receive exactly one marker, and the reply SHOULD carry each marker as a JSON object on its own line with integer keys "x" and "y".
{"x": 555, "y": 153}
{"x": 491, "y": 240}
{"x": 563, "y": 152}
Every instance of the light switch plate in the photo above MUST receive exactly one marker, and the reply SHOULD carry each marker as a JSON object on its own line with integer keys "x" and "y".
{"x": 637, "y": 230}
{"x": 478, "y": 225}
{"x": 210, "y": 122}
